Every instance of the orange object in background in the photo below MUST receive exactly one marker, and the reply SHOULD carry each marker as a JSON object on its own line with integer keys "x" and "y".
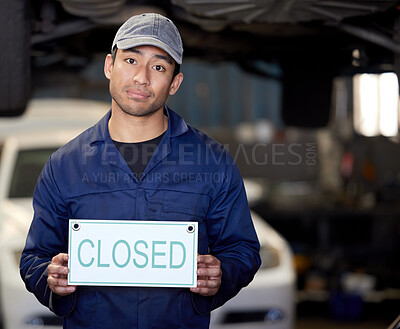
{"x": 368, "y": 170}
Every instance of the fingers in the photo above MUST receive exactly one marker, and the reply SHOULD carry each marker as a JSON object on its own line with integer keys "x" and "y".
{"x": 63, "y": 291}
{"x": 207, "y": 286}
{"x": 57, "y": 275}
{"x": 57, "y": 271}
{"x": 58, "y": 266}
{"x": 60, "y": 286}
{"x": 208, "y": 275}
{"x": 209, "y": 272}
{"x": 207, "y": 260}
{"x": 60, "y": 259}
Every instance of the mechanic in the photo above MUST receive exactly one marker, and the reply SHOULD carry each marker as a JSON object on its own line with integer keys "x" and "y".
{"x": 150, "y": 152}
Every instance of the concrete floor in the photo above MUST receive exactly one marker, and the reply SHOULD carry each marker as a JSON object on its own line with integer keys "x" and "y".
{"x": 321, "y": 323}
{"x": 372, "y": 316}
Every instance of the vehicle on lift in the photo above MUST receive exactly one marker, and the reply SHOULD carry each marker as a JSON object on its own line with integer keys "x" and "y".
{"x": 312, "y": 41}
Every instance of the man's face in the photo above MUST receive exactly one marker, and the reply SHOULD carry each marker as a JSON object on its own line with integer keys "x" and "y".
{"x": 140, "y": 79}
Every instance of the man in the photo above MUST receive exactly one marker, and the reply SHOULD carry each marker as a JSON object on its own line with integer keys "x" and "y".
{"x": 185, "y": 176}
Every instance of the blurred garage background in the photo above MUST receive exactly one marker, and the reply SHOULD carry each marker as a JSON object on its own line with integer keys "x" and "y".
{"x": 304, "y": 94}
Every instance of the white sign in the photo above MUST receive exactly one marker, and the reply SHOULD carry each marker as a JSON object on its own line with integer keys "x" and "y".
{"x": 132, "y": 253}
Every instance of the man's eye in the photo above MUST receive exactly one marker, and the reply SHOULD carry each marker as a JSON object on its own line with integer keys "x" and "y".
{"x": 159, "y": 68}
{"x": 131, "y": 61}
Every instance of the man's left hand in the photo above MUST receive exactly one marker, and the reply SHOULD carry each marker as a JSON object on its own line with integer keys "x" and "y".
{"x": 208, "y": 275}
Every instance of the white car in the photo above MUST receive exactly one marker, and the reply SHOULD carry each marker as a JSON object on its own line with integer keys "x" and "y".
{"x": 25, "y": 145}
{"x": 268, "y": 302}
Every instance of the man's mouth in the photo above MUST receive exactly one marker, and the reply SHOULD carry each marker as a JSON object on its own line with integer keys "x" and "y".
{"x": 138, "y": 94}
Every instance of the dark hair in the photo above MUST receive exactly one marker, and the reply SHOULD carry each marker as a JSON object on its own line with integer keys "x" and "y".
{"x": 177, "y": 67}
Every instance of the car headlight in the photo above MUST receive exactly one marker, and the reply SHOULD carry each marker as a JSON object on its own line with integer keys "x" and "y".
{"x": 17, "y": 256}
{"x": 269, "y": 257}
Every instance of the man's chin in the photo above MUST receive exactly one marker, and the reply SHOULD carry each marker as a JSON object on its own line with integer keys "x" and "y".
{"x": 140, "y": 113}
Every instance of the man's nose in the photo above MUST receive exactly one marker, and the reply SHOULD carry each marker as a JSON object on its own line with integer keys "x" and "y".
{"x": 141, "y": 75}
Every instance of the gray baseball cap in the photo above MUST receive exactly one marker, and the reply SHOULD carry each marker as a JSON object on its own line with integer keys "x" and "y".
{"x": 153, "y": 30}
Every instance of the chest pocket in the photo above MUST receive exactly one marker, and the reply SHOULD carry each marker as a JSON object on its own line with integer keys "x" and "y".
{"x": 182, "y": 206}
{"x": 185, "y": 205}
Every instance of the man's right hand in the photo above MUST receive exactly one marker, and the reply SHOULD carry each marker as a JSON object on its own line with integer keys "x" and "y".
{"x": 57, "y": 276}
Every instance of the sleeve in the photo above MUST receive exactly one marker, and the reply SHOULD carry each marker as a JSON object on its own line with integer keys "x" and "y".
{"x": 232, "y": 239}
{"x": 47, "y": 237}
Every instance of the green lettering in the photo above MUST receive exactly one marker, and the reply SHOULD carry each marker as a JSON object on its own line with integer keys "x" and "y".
{"x": 113, "y": 253}
{"x": 154, "y": 254}
{"x": 79, "y": 253}
{"x": 141, "y": 254}
{"x": 98, "y": 254}
{"x": 176, "y": 243}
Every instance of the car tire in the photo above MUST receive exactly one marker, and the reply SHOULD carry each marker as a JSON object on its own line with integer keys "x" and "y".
{"x": 14, "y": 57}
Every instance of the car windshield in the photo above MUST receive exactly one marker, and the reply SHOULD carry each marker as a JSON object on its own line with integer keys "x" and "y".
{"x": 28, "y": 166}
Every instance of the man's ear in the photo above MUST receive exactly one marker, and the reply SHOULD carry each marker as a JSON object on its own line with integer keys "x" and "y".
{"x": 175, "y": 84}
{"x": 108, "y": 66}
